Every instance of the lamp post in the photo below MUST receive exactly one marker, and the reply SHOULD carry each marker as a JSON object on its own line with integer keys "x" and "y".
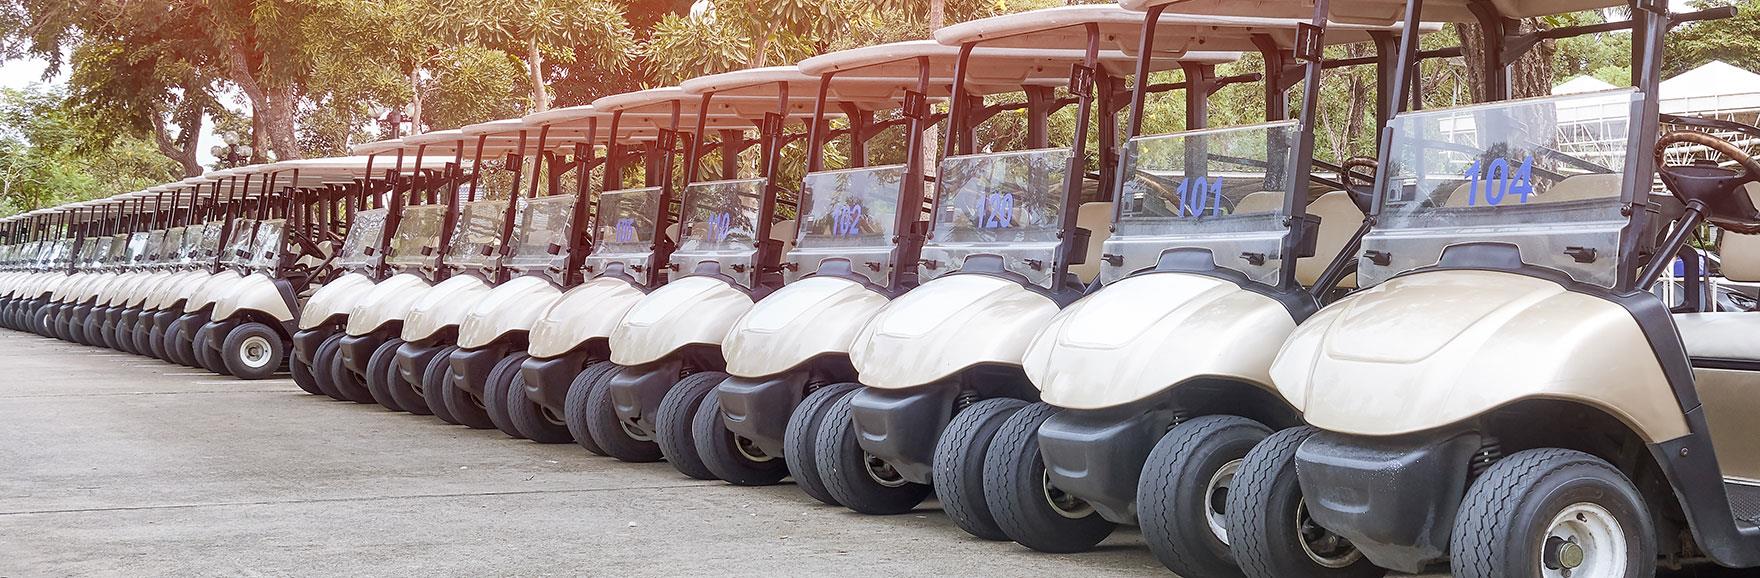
{"x": 231, "y": 154}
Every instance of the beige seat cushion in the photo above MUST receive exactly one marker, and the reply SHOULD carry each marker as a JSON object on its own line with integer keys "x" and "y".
{"x": 1339, "y": 220}
{"x": 784, "y": 231}
{"x": 1722, "y": 335}
{"x": 1097, "y": 219}
{"x": 1260, "y": 202}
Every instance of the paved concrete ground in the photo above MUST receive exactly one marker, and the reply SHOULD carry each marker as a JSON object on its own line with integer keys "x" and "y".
{"x": 112, "y": 464}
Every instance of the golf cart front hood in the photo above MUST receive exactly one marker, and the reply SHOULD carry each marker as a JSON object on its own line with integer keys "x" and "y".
{"x": 210, "y": 290}
{"x": 1142, "y": 335}
{"x": 946, "y": 325}
{"x": 335, "y": 298}
{"x": 509, "y": 307}
{"x": 1431, "y": 349}
{"x": 693, "y": 310}
{"x": 385, "y": 302}
{"x": 175, "y": 289}
{"x": 805, "y": 319}
{"x": 257, "y": 293}
{"x": 138, "y": 295}
{"x": 444, "y": 305}
{"x": 590, "y": 311}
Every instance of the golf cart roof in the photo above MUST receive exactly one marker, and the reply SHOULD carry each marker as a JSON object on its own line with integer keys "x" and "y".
{"x": 1176, "y": 32}
{"x": 652, "y": 108}
{"x": 1371, "y": 12}
{"x": 572, "y": 123}
{"x": 376, "y": 147}
{"x": 995, "y": 70}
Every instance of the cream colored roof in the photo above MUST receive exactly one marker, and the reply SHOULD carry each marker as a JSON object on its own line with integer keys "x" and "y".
{"x": 1370, "y": 11}
{"x": 992, "y": 70}
{"x": 1063, "y": 27}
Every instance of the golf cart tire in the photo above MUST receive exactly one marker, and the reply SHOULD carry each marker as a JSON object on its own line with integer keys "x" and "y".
{"x": 1502, "y": 526}
{"x": 204, "y": 346}
{"x": 434, "y": 379}
{"x": 959, "y": 464}
{"x": 1263, "y": 530}
{"x": 402, "y": 391}
{"x": 495, "y": 393}
{"x": 608, "y": 431}
{"x": 719, "y": 449}
{"x": 348, "y": 385}
{"x": 1173, "y": 501}
{"x": 800, "y": 441}
{"x": 320, "y": 368}
{"x": 233, "y": 351}
{"x": 381, "y": 369}
{"x": 1014, "y": 478}
{"x": 303, "y": 377}
{"x": 574, "y": 406}
{"x": 843, "y": 466}
{"x": 528, "y": 417}
{"x": 673, "y": 423}
{"x": 465, "y": 408}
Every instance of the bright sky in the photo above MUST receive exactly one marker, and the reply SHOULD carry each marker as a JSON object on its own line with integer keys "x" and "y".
{"x": 25, "y": 72}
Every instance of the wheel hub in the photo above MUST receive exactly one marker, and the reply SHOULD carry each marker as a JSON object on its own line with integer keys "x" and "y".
{"x": 750, "y": 450}
{"x": 1322, "y": 546}
{"x": 1584, "y": 539}
{"x": 1216, "y": 499}
{"x": 1064, "y": 503}
{"x": 883, "y": 473}
{"x": 255, "y": 351}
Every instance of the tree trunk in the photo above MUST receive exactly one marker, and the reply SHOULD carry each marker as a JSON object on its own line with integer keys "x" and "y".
{"x": 177, "y": 148}
{"x": 271, "y": 113}
{"x": 1353, "y": 120}
{"x": 760, "y": 51}
{"x": 415, "y": 102}
{"x": 1530, "y": 76}
{"x": 535, "y": 65}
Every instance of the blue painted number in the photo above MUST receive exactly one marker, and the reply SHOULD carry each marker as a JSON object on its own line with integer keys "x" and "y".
{"x": 997, "y": 211}
{"x": 846, "y": 220}
{"x": 1198, "y": 194}
{"x": 626, "y": 230}
{"x": 720, "y": 225}
{"x": 1496, "y": 182}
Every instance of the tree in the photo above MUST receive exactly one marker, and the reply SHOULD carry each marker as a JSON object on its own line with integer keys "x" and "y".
{"x": 1730, "y": 40}
{"x": 48, "y": 155}
{"x": 539, "y": 28}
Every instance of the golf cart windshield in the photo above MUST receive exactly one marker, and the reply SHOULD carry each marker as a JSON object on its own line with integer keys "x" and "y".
{"x": 1543, "y": 174}
{"x": 720, "y": 223}
{"x": 363, "y": 234}
{"x": 238, "y": 244}
{"x": 267, "y": 248}
{"x": 1216, "y": 189}
{"x": 1007, "y": 204}
{"x": 848, "y": 214}
{"x": 119, "y": 249}
{"x": 170, "y": 247}
{"x": 540, "y": 243}
{"x": 138, "y": 245}
{"x": 210, "y": 242}
{"x": 476, "y": 241}
{"x": 417, "y": 243}
{"x": 625, "y": 228}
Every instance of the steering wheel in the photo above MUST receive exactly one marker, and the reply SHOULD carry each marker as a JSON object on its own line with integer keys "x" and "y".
{"x": 1720, "y": 189}
{"x": 1363, "y": 196}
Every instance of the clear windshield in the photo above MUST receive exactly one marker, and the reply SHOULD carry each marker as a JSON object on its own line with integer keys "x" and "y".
{"x": 210, "y": 245}
{"x": 417, "y": 241}
{"x": 542, "y": 239}
{"x": 1007, "y": 204}
{"x": 238, "y": 242}
{"x": 363, "y": 234}
{"x": 266, "y": 251}
{"x": 139, "y": 244}
{"x": 848, "y": 214}
{"x": 170, "y": 247}
{"x": 118, "y": 250}
{"x": 476, "y": 241}
{"x": 1216, "y": 189}
{"x": 720, "y": 223}
{"x": 625, "y": 228}
{"x": 1543, "y": 174}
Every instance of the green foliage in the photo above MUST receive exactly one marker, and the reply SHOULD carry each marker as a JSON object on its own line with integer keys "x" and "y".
{"x": 48, "y": 155}
{"x": 1730, "y": 40}
{"x": 473, "y": 84}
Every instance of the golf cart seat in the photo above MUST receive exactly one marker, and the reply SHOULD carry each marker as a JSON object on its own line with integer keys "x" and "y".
{"x": 1260, "y": 202}
{"x": 1572, "y": 188}
{"x": 783, "y": 231}
{"x": 1727, "y": 335}
{"x": 1097, "y": 219}
{"x": 1339, "y": 221}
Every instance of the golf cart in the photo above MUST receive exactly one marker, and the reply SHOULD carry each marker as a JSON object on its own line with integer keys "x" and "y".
{"x": 1505, "y": 393}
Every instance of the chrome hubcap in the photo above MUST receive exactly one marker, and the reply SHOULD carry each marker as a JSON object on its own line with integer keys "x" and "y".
{"x": 1216, "y": 499}
{"x": 1064, "y": 503}
{"x": 883, "y": 473}
{"x": 1322, "y": 546}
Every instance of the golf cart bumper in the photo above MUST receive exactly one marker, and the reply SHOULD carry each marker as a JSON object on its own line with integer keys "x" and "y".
{"x": 902, "y": 426}
{"x": 357, "y": 349}
{"x": 547, "y": 380}
{"x": 758, "y": 408}
{"x": 412, "y": 359}
{"x": 191, "y": 323}
{"x": 470, "y": 367}
{"x": 306, "y": 342}
{"x": 636, "y": 391}
{"x": 1394, "y": 498}
{"x": 1099, "y": 456}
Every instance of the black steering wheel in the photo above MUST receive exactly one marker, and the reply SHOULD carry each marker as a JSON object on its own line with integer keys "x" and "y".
{"x": 1720, "y": 190}
{"x": 1363, "y": 194}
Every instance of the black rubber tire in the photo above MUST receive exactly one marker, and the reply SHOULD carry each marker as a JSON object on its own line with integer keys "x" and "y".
{"x": 608, "y": 431}
{"x": 1263, "y": 531}
{"x": 495, "y": 393}
{"x": 1014, "y": 480}
{"x": 381, "y": 369}
{"x": 574, "y": 406}
{"x": 1502, "y": 524}
{"x": 347, "y": 384}
{"x": 959, "y": 465}
{"x": 407, "y": 396}
{"x": 89, "y": 330}
{"x": 465, "y": 407}
{"x": 232, "y": 351}
{"x": 674, "y": 420}
{"x": 320, "y": 367}
{"x": 843, "y": 466}
{"x": 531, "y": 419}
{"x": 204, "y": 343}
{"x": 173, "y": 343}
{"x": 434, "y": 379}
{"x": 720, "y": 449}
{"x": 303, "y": 377}
{"x": 1172, "y": 502}
{"x": 156, "y": 343}
{"x": 800, "y": 440}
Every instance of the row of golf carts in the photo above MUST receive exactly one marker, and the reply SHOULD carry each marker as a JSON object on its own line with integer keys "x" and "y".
{"x": 1061, "y": 321}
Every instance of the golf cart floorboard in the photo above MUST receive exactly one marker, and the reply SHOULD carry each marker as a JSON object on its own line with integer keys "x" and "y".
{"x": 1744, "y": 502}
